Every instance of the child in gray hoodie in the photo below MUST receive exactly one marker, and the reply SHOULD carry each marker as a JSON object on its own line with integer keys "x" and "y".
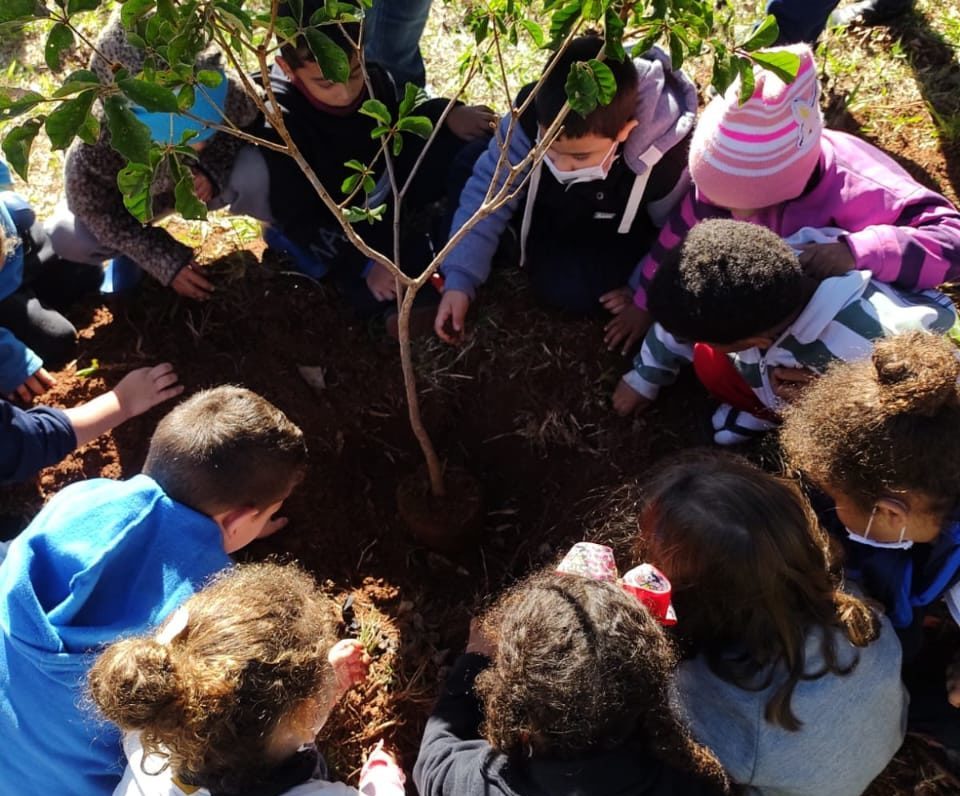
{"x": 592, "y": 208}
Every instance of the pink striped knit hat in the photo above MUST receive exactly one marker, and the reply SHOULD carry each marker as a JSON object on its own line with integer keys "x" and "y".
{"x": 763, "y": 152}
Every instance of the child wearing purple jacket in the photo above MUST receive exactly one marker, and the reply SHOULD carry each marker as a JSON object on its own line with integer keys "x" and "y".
{"x": 770, "y": 162}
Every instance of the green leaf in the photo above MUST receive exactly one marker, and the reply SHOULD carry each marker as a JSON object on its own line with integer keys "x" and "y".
{"x": 81, "y": 80}
{"x": 355, "y": 214}
{"x": 613, "y": 36}
{"x": 17, "y": 143}
{"x": 186, "y": 98}
{"x": 86, "y": 373}
{"x": 592, "y": 9}
{"x": 186, "y": 201}
{"x": 747, "y": 80}
{"x": 582, "y": 89}
{"x": 418, "y": 125}
{"x": 411, "y": 96}
{"x": 376, "y": 110}
{"x": 644, "y": 45}
{"x": 676, "y": 51}
{"x": 535, "y": 32}
{"x": 765, "y": 34}
{"x": 11, "y": 107}
{"x": 65, "y": 122}
{"x": 397, "y": 145}
{"x": 59, "y": 39}
{"x": 562, "y": 20}
{"x": 723, "y": 73}
{"x": 296, "y": 8}
{"x": 17, "y": 9}
{"x": 128, "y": 135}
{"x": 76, "y": 6}
{"x": 133, "y": 10}
{"x": 210, "y": 78}
{"x": 89, "y": 131}
{"x": 355, "y": 165}
{"x": 379, "y": 131}
{"x": 134, "y": 181}
{"x": 376, "y": 213}
{"x": 782, "y": 63}
{"x": 368, "y": 184}
{"x": 606, "y": 82}
{"x": 285, "y": 28}
{"x": 350, "y": 183}
{"x": 150, "y": 96}
{"x": 332, "y": 60}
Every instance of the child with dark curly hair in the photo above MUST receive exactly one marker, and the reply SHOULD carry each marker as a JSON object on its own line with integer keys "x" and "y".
{"x": 733, "y": 300}
{"x": 565, "y": 688}
{"x": 784, "y": 670}
{"x": 231, "y": 692}
{"x": 880, "y": 437}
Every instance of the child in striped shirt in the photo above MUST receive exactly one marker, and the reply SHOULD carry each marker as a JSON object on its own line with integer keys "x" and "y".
{"x": 769, "y": 161}
{"x": 733, "y": 299}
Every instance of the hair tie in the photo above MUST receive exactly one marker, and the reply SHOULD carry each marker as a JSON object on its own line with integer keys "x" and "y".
{"x": 645, "y": 583}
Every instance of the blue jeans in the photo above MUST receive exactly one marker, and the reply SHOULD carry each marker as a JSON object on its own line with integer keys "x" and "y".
{"x": 393, "y": 30}
{"x": 801, "y": 20}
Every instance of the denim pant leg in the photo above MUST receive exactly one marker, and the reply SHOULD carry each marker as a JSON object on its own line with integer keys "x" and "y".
{"x": 801, "y": 20}
{"x": 393, "y": 30}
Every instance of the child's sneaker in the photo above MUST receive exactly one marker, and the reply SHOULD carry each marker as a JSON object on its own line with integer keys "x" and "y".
{"x": 120, "y": 275}
{"x": 304, "y": 261}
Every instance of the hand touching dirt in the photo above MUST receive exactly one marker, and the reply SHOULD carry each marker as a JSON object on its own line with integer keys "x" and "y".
{"x": 34, "y": 386}
{"x": 350, "y": 663}
{"x": 144, "y": 388}
{"x": 627, "y": 400}
{"x": 471, "y": 121}
{"x": 451, "y": 314}
{"x": 189, "y": 282}
{"x": 822, "y": 260}
{"x": 628, "y": 327}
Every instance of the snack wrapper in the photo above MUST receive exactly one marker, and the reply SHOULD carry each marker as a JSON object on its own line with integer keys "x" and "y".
{"x": 645, "y": 582}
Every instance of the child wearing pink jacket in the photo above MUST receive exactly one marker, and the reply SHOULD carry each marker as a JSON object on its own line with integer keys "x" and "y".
{"x": 770, "y": 162}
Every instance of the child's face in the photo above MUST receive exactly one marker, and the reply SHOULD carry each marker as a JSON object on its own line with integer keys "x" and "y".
{"x": 311, "y": 80}
{"x": 570, "y": 154}
{"x": 888, "y": 517}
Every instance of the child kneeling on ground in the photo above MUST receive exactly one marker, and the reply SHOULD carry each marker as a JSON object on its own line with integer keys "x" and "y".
{"x": 734, "y": 301}
{"x": 565, "y": 688}
{"x": 880, "y": 437}
{"x": 229, "y": 695}
{"x": 791, "y": 681}
{"x": 106, "y": 558}
{"x": 769, "y": 161}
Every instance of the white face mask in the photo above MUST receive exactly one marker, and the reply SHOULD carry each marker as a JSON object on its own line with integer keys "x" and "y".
{"x": 901, "y": 544}
{"x": 587, "y": 174}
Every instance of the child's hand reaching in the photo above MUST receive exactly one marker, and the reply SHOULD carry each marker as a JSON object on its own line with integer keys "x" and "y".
{"x": 350, "y": 663}
{"x": 451, "y": 314}
{"x": 381, "y": 283}
{"x": 471, "y": 121}
{"x": 191, "y": 283}
{"x": 144, "y": 388}
{"x": 629, "y": 325}
{"x": 627, "y": 400}
{"x": 34, "y": 385}
{"x": 822, "y": 260}
{"x": 202, "y": 186}
{"x": 788, "y": 383}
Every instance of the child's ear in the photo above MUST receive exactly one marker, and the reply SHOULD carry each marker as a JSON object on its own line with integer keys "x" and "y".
{"x": 232, "y": 523}
{"x": 626, "y": 130}
{"x": 891, "y": 513}
{"x": 285, "y": 67}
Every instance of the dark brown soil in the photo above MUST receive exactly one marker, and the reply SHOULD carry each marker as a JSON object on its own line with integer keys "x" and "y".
{"x": 448, "y": 523}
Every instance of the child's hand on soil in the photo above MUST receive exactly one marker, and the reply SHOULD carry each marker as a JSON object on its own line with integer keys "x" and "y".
{"x": 615, "y": 301}
{"x": 350, "y": 662}
{"x": 144, "y": 388}
{"x": 381, "y": 283}
{"x": 788, "y": 383}
{"x": 451, "y": 315}
{"x": 628, "y": 326}
{"x": 822, "y": 260}
{"x": 627, "y": 400}
{"x": 202, "y": 186}
{"x": 471, "y": 121}
{"x": 34, "y": 386}
{"x": 189, "y": 282}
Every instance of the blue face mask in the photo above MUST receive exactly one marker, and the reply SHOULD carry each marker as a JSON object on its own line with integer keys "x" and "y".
{"x": 900, "y": 544}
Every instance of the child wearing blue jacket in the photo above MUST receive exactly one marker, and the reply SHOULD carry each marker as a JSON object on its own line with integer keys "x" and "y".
{"x": 880, "y": 438}
{"x": 109, "y": 558}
